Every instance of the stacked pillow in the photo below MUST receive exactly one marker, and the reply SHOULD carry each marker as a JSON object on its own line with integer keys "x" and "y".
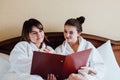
{"x": 112, "y": 67}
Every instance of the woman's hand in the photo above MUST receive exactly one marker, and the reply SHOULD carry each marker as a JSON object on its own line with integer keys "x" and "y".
{"x": 74, "y": 76}
{"x": 83, "y": 70}
{"x": 51, "y": 77}
{"x": 47, "y": 50}
{"x": 86, "y": 70}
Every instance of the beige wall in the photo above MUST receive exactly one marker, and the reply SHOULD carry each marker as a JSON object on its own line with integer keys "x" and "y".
{"x": 102, "y": 16}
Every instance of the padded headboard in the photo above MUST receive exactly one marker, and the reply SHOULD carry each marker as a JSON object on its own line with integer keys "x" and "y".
{"x": 56, "y": 38}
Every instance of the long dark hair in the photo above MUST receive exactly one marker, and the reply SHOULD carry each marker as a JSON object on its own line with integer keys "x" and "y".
{"x": 27, "y": 28}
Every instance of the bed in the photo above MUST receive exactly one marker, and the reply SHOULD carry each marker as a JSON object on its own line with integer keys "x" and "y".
{"x": 56, "y": 38}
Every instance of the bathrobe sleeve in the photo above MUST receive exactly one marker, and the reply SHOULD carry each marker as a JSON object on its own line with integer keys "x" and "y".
{"x": 95, "y": 63}
{"x": 20, "y": 58}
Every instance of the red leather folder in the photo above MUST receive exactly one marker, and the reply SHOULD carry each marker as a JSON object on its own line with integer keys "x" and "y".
{"x": 59, "y": 65}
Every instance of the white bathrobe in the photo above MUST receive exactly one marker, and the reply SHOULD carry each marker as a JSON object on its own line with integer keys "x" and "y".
{"x": 20, "y": 62}
{"x": 94, "y": 63}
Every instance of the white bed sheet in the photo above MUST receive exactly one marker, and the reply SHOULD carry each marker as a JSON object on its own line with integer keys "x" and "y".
{"x": 4, "y": 64}
{"x": 112, "y": 68}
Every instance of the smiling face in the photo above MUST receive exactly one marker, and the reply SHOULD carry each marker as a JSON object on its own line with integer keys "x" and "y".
{"x": 71, "y": 34}
{"x": 36, "y": 35}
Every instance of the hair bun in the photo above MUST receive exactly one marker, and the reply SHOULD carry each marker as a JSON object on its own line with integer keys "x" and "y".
{"x": 81, "y": 19}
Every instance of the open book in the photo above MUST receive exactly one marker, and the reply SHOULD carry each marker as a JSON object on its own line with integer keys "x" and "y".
{"x": 59, "y": 65}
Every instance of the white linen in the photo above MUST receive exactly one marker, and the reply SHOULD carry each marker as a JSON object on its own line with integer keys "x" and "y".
{"x": 20, "y": 62}
{"x": 95, "y": 61}
{"x": 112, "y": 68}
{"x": 4, "y": 64}
{"x": 5, "y": 56}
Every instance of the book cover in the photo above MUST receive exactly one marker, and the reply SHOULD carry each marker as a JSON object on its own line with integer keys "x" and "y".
{"x": 59, "y": 65}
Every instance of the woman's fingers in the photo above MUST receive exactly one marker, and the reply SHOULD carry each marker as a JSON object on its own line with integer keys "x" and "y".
{"x": 87, "y": 70}
{"x": 76, "y": 77}
{"x": 51, "y": 77}
{"x": 47, "y": 50}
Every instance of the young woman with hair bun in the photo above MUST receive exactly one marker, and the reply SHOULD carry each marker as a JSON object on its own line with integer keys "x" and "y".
{"x": 74, "y": 42}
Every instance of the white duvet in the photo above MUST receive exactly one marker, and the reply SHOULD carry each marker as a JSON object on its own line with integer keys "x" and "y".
{"x": 112, "y": 68}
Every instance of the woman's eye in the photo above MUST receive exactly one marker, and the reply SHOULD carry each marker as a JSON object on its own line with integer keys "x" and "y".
{"x": 71, "y": 32}
{"x": 65, "y": 31}
{"x": 34, "y": 33}
{"x": 40, "y": 30}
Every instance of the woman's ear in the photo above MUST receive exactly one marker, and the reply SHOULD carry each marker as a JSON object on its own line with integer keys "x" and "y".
{"x": 79, "y": 33}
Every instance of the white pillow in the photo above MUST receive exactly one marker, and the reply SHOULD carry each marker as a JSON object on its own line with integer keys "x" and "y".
{"x": 112, "y": 67}
{"x": 4, "y": 64}
{"x": 4, "y": 56}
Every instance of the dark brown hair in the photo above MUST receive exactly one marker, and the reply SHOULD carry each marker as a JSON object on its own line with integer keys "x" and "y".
{"x": 27, "y": 28}
{"x": 76, "y": 22}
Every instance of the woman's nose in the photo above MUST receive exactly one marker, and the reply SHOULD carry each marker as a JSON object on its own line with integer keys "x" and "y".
{"x": 39, "y": 35}
{"x": 67, "y": 34}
